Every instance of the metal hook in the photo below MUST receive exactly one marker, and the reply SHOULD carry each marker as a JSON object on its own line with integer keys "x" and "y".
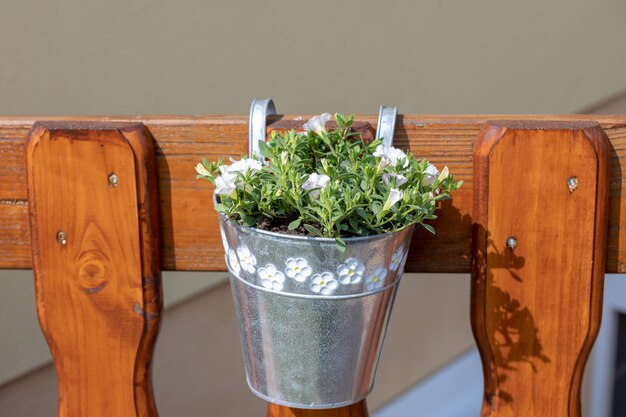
{"x": 386, "y": 124}
{"x": 259, "y": 110}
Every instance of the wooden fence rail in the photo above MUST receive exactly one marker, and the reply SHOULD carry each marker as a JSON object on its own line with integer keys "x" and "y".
{"x": 189, "y": 241}
{"x": 82, "y": 208}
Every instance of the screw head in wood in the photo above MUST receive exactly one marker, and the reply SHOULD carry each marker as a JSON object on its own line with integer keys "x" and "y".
{"x": 61, "y": 238}
{"x": 113, "y": 179}
{"x": 572, "y": 183}
{"x": 511, "y": 242}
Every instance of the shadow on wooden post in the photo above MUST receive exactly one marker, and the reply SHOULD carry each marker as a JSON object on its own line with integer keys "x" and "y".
{"x": 540, "y": 231}
{"x": 93, "y": 204}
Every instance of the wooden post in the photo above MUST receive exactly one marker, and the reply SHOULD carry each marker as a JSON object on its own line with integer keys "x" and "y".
{"x": 93, "y": 204}
{"x": 540, "y": 228}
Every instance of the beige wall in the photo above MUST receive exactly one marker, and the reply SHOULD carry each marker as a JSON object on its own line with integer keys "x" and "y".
{"x": 199, "y": 56}
{"x": 208, "y": 56}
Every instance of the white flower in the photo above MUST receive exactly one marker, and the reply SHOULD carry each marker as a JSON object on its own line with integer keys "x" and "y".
{"x": 400, "y": 179}
{"x": 390, "y": 156}
{"x": 324, "y": 283}
{"x": 271, "y": 277}
{"x": 317, "y": 124}
{"x": 225, "y": 184}
{"x": 200, "y": 169}
{"x": 298, "y": 269}
{"x": 233, "y": 262}
{"x": 376, "y": 279}
{"x": 395, "y": 195}
{"x": 396, "y": 258}
{"x": 315, "y": 182}
{"x": 244, "y": 165}
{"x": 430, "y": 175}
{"x": 351, "y": 271}
{"x": 247, "y": 259}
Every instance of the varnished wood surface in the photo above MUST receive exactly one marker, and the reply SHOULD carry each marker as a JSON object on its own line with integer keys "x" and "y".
{"x": 355, "y": 410}
{"x": 536, "y": 309}
{"x": 98, "y": 291}
{"x": 190, "y": 233}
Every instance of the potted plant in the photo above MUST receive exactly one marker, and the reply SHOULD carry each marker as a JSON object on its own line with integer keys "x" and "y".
{"x": 316, "y": 230}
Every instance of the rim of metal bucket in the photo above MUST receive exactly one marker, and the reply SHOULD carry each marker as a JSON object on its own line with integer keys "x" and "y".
{"x": 259, "y": 110}
{"x": 386, "y": 124}
{"x": 329, "y": 240}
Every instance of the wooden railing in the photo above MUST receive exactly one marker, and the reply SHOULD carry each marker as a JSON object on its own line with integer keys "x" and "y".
{"x": 113, "y": 200}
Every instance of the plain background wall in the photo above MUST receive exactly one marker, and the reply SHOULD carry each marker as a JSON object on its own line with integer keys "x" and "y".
{"x": 210, "y": 57}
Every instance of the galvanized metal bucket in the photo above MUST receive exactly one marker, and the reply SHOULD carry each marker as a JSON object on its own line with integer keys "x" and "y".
{"x": 312, "y": 318}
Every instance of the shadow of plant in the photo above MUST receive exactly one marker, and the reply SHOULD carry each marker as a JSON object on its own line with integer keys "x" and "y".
{"x": 509, "y": 326}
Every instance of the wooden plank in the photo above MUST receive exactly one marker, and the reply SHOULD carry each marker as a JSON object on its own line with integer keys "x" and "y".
{"x": 96, "y": 256}
{"x": 536, "y": 306}
{"x": 355, "y": 410}
{"x": 190, "y": 235}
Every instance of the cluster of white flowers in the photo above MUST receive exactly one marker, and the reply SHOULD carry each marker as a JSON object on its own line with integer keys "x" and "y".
{"x": 332, "y": 183}
{"x": 391, "y": 156}
{"x": 229, "y": 181}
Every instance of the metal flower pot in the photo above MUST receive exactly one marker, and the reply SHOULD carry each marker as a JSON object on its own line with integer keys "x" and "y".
{"x": 312, "y": 319}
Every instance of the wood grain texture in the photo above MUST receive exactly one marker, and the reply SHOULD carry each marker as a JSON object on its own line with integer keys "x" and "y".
{"x": 190, "y": 233}
{"x": 355, "y": 410}
{"x": 98, "y": 291}
{"x": 536, "y": 308}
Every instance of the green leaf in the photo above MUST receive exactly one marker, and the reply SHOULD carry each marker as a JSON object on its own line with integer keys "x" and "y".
{"x": 264, "y": 149}
{"x": 376, "y": 208}
{"x": 341, "y": 244}
{"x": 313, "y": 230}
{"x": 248, "y": 220}
{"x": 220, "y": 207}
{"x": 294, "y": 224}
{"x": 361, "y": 212}
{"x": 429, "y": 228}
